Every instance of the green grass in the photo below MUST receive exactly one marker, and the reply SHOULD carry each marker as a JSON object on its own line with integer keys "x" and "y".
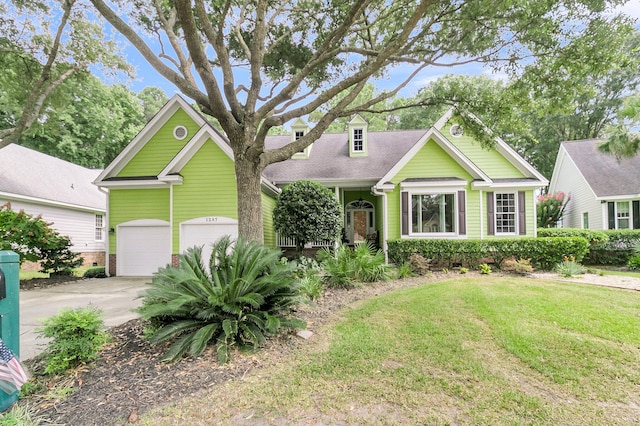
{"x": 488, "y": 350}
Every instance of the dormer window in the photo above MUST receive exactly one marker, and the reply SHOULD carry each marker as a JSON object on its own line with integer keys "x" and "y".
{"x": 298, "y": 129}
{"x": 358, "y": 140}
{"x": 358, "y": 136}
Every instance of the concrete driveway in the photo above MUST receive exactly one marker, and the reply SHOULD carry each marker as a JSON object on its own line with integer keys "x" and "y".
{"x": 115, "y": 296}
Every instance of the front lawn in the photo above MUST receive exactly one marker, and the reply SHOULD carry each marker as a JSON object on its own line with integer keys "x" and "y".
{"x": 476, "y": 350}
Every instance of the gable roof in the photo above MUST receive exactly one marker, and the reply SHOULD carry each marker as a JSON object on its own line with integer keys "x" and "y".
{"x": 137, "y": 143}
{"x": 329, "y": 160}
{"x": 603, "y": 172}
{"x": 33, "y": 176}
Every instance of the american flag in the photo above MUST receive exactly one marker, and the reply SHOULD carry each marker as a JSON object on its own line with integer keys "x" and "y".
{"x": 12, "y": 374}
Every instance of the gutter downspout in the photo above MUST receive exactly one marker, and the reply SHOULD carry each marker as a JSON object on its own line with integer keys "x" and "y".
{"x": 106, "y": 227}
{"x": 375, "y": 192}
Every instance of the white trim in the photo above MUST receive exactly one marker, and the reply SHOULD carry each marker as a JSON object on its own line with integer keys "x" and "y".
{"x": 523, "y": 186}
{"x": 433, "y": 191}
{"x": 135, "y": 184}
{"x": 35, "y": 200}
{"x": 138, "y": 142}
{"x": 456, "y": 134}
{"x": 482, "y": 213}
{"x": 633, "y": 197}
{"x": 435, "y": 184}
{"x": 442, "y": 121}
{"x": 515, "y": 215}
{"x": 563, "y": 155}
{"x": 446, "y": 145}
{"x": 383, "y": 237}
{"x": 175, "y": 132}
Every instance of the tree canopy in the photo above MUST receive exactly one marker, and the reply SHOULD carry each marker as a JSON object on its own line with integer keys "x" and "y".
{"x": 44, "y": 43}
{"x": 256, "y": 65}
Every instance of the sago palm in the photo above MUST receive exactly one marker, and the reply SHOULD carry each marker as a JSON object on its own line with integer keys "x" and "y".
{"x": 240, "y": 295}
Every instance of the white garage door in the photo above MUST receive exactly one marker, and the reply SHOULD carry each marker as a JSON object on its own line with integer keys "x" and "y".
{"x": 143, "y": 247}
{"x": 204, "y": 231}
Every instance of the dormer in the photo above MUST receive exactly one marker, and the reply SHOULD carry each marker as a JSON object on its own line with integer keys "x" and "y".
{"x": 298, "y": 129}
{"x": 358, "y": 136}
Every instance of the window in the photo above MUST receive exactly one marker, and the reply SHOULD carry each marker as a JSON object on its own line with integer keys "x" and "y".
{"x": 506, "y": 213}
{"x": 585, "y": 220}
{"x": 358, "y": 140}
{"x": 298, "y": 134}
{"x": 99, "y": 228}
{"x": 180, "y": 132}
{"x": 433, "y": 213}
{"x": 622, "y": 215}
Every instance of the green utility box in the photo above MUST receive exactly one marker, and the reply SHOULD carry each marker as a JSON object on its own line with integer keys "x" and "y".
{"x": 9, "y": 312}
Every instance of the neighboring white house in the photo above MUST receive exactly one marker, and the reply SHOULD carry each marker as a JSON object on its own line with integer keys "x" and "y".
{"x": 605, "y": 192}
{"x": 61, "y": 192}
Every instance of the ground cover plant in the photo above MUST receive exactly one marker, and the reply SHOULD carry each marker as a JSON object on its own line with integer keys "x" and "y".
{"x": 477, "y": 350}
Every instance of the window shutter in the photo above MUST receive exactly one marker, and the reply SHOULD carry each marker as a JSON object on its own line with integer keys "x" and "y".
{"x": 404, "y": 205}
{"x": 612, "y": 215}
{"x": 462, "y": 222}
{"x": 491, "y": 230}
{"x": 636, "y": 214}
{"x": 522, "y": 213}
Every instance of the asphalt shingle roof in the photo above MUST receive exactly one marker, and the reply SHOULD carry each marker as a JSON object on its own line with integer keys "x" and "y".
{"x": 603, "y": 172}
{"x": 329, "y": 157}
{"x": 30, "y": 173}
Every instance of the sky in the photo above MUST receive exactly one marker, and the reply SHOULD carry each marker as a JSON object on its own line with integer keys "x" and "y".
{"x": 147, "y": 76}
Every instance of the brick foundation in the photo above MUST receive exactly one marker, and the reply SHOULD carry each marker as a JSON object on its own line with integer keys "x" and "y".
{"x": 88, "y": 259}
{"x": 175, "y": 260}
{"x": 112, "y": 265}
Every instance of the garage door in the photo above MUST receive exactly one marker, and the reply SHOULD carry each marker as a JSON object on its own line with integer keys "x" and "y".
{"x": 204, "y": 231}
{"x": 143, "y": 247}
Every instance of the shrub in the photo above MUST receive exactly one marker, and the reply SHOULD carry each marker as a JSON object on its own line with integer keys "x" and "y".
{"x": 569, "y": 267}
{"x": 95, "y": 272}
{"x": 346, "y": 268}
{"x": 594, "y": 237}
{"x": 34, "y": 240}
{"x": 485, "y": 269}
{"x": 543, "y": 252}
{"x": 404, "y": 270}
{"x": 76, "y": 337}
{"x": 311, "y": 287}
{"x": 634, "y": 262}
{"x": 307, "y": 211}
{"x": 617, "y": 250}
{"x": 244, "y": 294}
{"x": 520, "y": 266}
{"x": 549, "y": 209}
{"x": 464, "y": 270}
{"x": 419, "y": 265}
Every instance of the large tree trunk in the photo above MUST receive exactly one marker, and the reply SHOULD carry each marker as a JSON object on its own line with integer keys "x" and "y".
{"x": 249, "y": 199}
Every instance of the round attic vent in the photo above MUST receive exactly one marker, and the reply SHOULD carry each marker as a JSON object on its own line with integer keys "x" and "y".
{"x": 180, "y": 132}
{"x": 456, "y": 130}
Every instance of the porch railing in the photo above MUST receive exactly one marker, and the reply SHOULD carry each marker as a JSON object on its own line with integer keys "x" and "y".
{"x": 288, "y": 242}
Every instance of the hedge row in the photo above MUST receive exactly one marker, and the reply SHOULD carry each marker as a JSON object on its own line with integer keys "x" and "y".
{"x": 609, "y": 247}
{"x": 544, "y": 253}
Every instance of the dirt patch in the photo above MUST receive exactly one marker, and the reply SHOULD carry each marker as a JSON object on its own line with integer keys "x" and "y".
{"x": 130, "y": 378}
{"x": 53, "y": 281}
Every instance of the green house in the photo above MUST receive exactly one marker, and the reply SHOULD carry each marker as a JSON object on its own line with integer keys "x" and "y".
{"x": 174, "y": 186}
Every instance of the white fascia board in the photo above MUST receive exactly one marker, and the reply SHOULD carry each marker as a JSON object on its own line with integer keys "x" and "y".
{"x": 26, "y": 198}
{"x": 174, "y": 179}
{"x": 629, "y": 197}
{"x": 134, "y": 184}
{"x": 270, "y": 188}
{"x": 518, "y": 162}
{"x": 349, "y": 183}
{"x": 442, "y": 121}
{"x": 567, "y": 157}
{"x": 385, "y": 187}
{"x": 446, "y": 145}
{"x": 137, "y": 143}
{"x": 508, "y": 185}
{"x": 562, "y": 153}
{"x": 435, "y": 183}
{"x": 190, "y": 149}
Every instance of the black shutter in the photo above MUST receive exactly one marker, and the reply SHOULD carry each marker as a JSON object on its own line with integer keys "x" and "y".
{"x": 636, "y": 214}
{"x": 522, "y": 213}
{"x": 612, "y": 215}
{"x": 491, "y": 230}
{"x": 462, "y": 214}
{"x": 404, "y": 205}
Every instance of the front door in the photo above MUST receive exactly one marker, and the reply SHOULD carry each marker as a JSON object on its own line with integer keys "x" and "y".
{"x": 359, "y": 221}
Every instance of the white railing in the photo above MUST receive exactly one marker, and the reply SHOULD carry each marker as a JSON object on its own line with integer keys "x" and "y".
{"x": 291, "y": 242}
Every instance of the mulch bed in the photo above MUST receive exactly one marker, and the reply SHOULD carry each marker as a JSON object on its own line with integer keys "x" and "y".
{"x": 53, "y": 281}
{"x": 129, "y": 378}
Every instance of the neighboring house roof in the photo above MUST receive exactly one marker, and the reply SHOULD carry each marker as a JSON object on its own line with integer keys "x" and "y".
{"x": 33, "y": 176}
{"x": 329, "y": 157}
{"x": 603, "y": 172}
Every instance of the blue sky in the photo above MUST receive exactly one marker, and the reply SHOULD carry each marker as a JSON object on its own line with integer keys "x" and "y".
{"x": 147, "y": 76}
